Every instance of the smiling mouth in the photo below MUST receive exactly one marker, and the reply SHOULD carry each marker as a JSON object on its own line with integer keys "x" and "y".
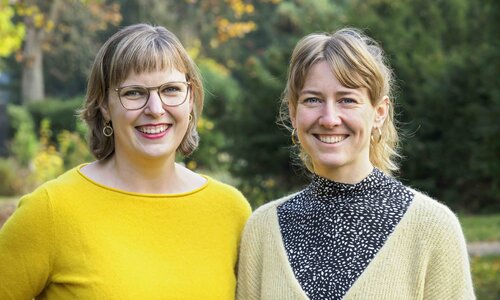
{"x": 153, "y": 129}
{"x": 331, "y": 139}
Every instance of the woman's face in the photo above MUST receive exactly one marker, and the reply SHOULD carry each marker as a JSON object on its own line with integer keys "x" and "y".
{"x": 154, "y": 131}
{"x": 334, "y": 124}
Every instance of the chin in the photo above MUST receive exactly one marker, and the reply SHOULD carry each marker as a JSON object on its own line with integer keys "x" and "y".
{"x": 330, "y": 161}
{"x": 158, "y": 154}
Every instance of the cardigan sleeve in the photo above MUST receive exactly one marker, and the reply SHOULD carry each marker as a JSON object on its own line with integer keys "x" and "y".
{"x": 25, "y": 241}
{"x": 250, "y": 261}
{"x": 263, "y": 269}
{"x": 448, "y": 274}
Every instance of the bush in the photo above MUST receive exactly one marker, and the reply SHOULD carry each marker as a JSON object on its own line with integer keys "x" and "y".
{"x": 24, "y": 144}
{"x": 62, "y": 114}
{"x": 73, "y": 149}
{"x": 210, "y": 154}
{"x": 47, "y": 163}
{"x": 15, "y": 178}
{"x": 11, "y": 183}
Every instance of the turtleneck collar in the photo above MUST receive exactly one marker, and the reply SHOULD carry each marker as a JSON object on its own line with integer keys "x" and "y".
{"x": 327, "y": 190}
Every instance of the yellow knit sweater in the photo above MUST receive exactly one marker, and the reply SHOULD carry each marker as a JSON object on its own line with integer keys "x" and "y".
{"x": 424, "y": 258}
{"x": 75, "y": 239}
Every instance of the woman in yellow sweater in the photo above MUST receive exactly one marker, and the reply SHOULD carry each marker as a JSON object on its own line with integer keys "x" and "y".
{"x": 134, "y": 224}
{"x": 355, "y": 232}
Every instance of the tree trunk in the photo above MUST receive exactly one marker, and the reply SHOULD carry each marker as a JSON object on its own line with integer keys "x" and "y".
{"x": 32, "y": 84}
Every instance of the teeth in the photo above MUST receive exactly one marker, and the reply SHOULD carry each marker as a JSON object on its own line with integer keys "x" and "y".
{"x": 153, "y": 129}
{"x": 331, "y": 139}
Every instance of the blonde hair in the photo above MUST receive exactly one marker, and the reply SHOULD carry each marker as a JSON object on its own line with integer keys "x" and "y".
{"x": 137, "y": 48}
{"x": 358, "y": 62}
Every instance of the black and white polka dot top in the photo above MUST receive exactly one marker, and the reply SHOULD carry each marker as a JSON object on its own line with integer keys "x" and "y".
{"x": 331, "y": 231}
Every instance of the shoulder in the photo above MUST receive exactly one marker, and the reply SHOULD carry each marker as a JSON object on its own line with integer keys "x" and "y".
{"x": 68, "y": 179}
{"x": 431, "y": 208}
{"x": 54, "y": 194}
{"x": 440, "y": 236}
{"x": 223, "y": 189}
{"x": 433, "y": 218}
{"x": 261, "y": 228}
{"x": 227, "y": 194}
{"x": 36, "y": 209}
{"x": 63, "y": 183}
{"x": 267, "y": 213}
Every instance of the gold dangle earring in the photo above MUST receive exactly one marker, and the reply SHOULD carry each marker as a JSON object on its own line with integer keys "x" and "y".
{"x": 107, "y": 130}
{"x": 294, "y": 140}
{"x": 190, "y": 118}
{"x": 379, "y": 132}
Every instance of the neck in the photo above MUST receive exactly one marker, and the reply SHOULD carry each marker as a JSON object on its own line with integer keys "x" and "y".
{"x": 149, "y": 176}
{"x": 346, "y": 175}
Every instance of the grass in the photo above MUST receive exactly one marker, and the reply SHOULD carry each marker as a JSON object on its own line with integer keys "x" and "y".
{"x": 484, "y": 228}
{"x": 486, "y": 276}
{"x": 485, "y": 269}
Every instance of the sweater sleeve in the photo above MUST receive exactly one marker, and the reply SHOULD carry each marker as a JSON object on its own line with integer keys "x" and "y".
{"x": 448, "y": 274}
{"x": 25, "y": 241}
{"x": 250, "y": 261}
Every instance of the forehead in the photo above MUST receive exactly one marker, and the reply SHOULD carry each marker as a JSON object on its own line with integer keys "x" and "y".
{"x": 154, "y": 78}
{"x": 320, "y": 76}
{"x": 321, "y": 79}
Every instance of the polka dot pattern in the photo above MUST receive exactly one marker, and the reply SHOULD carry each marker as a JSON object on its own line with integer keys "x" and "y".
{"x": 331, "y": 231}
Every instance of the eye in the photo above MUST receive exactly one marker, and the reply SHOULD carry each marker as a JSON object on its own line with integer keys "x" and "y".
{"x": 347, "y": 101}
{"x": 172, "y": 88}
{"x": 311, "y": 100}
{"x": 133, "y": 93}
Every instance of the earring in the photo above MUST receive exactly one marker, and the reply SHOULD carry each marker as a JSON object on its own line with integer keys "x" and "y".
{"x": 379, "y": 136}
{"x": 107, "y": 130}
{"x": 294, "y": 140}
{"x": 190, "y": 118}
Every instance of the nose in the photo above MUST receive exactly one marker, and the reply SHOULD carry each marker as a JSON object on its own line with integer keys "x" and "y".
{"x": 154, "y": 107}
{"x": 330, "y": 115}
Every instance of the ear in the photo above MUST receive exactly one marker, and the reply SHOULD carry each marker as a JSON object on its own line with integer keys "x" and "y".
{"x": 191, "y": 102}
{"x": 105, "y": 112}
{"x": 291, "y": 113}
{"x": 381, "y": 111}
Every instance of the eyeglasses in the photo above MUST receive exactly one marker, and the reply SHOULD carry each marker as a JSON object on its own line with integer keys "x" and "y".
{"x": 135, "y": 97}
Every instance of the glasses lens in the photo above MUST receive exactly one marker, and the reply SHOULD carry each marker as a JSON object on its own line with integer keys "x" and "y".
{"x": 133, "y": 97}
{"x": 173, "y": 93}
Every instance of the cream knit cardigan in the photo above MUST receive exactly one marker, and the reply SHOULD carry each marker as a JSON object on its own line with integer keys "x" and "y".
{"x": 424, "y": 258}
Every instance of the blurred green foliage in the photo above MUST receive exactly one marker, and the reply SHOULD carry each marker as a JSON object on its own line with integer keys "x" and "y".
{"x": 446, "y": 60}
{"x": 24, "y": 143}
{"x": 11, "y": 183}
{"x": 47, "y": 163}
{"x": 61, "y": 113}
{"x": 448, "y": 97}
{"x": 444, "y": 54}
{"x": 38, "y": 155}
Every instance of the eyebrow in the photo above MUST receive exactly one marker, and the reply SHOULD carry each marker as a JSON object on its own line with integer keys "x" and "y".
{"x": 339, "y": 93}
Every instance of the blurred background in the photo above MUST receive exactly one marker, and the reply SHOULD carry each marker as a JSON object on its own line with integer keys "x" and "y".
{"x": 444, "y": 53}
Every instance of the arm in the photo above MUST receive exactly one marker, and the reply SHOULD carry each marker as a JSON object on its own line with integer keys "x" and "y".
{"x": 249, "y": 263}
{"x": 25, "y": 241}
{"x": 448, "y": 274}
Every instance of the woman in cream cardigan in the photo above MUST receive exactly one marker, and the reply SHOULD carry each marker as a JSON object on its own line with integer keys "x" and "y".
{"x": 355, "y": 232}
